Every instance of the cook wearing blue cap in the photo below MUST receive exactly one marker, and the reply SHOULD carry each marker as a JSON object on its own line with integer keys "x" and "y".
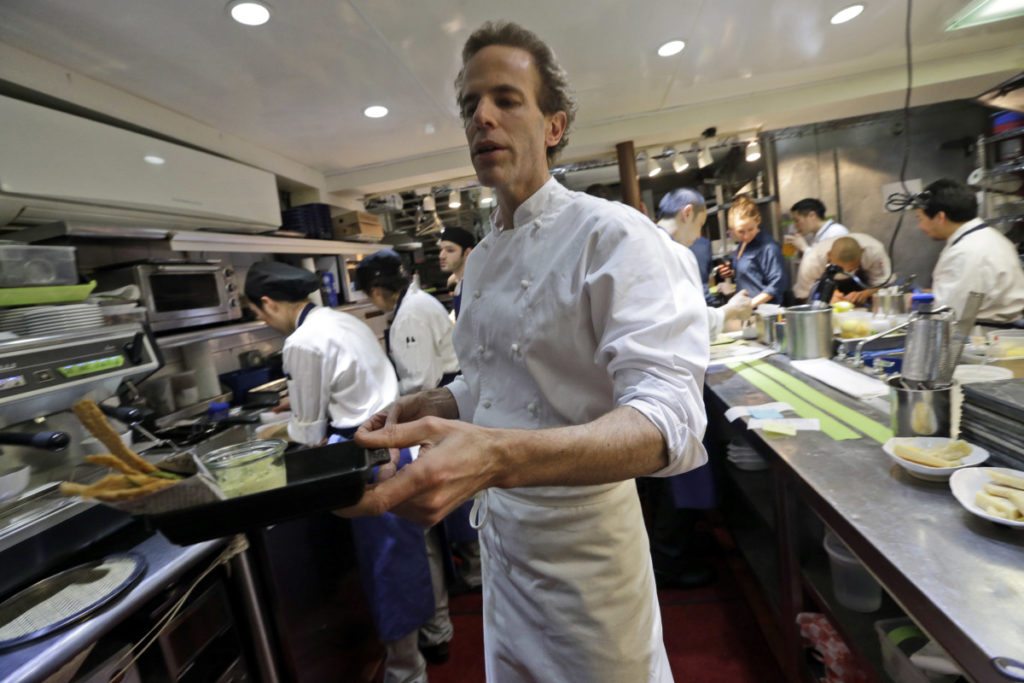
{"x": 682, "y": 214}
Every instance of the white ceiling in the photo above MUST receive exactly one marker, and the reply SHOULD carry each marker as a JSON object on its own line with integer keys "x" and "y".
{"x": 298, "y": 85}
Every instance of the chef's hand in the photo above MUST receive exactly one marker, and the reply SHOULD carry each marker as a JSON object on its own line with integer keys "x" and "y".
{"x": 455, "y": 462}
{"x": 797, "y": 240}
{"x": 738, "y": 307}
{"x": 283, "y": 406}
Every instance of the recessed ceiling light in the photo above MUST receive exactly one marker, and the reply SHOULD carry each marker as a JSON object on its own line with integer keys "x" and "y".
{"x": 847, "y": 14}
{"x": 376, "y": 111}
{"x": 153, "y": 159}
{"x": 985, "y": 12}
{"x": 672, "y": 47}
{"x": 249, "y": 12}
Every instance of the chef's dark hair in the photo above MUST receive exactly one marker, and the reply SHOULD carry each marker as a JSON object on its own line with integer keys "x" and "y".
{"x": 381, "y": 269}
{"x": 279, "y": 282}
{"x": 952, "y": 197}
{"x": 555, "y": 95}
{"x": 809, "y": 205}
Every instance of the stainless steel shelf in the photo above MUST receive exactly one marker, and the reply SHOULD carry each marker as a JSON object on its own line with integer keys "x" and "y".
{"x": 1007, "y": 135}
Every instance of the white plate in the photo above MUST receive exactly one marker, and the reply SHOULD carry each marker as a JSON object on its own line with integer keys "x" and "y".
{"x": 977, "y": 456}
{"x": 965, "y": 485}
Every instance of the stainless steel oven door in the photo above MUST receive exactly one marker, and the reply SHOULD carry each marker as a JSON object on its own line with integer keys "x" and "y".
{"x": 186, "y": 295}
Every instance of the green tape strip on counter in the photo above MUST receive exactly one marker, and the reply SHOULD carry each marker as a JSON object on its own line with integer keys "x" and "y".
{"x": 872, "y": 429}
{"x": 829, "y": 425}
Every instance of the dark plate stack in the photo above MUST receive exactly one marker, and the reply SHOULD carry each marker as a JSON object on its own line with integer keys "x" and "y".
{"x": 993, "y": 413}
{"x": 312, "y": 220}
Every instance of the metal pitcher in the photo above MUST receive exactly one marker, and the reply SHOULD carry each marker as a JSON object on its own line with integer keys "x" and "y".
{"x": 808, "y": 332}
{"x": 929, "y": 353}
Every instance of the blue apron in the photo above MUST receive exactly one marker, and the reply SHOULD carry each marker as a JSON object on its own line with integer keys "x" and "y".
{"x": 392, "y": 557}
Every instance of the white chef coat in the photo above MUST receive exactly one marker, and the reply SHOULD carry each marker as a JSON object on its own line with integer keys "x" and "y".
{"x": 716, "y": 316}
{"x": 874, "y": 262}
{"x": 583, "y": 307}
{"x": 337, "y": 368}
{"x": 421, "y": 341}
{"x": 983, "y": 261}
{"x": 828, "y": 230}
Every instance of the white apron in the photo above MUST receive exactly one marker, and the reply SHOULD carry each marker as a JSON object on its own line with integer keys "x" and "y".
{"x": 568, "y": 589}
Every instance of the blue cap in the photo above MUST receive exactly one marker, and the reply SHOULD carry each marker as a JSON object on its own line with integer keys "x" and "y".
{"x": 673, "y": 202}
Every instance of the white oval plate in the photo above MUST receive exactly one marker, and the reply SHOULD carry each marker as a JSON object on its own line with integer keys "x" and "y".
{"x": 977, "y": 456}
{"x": 966, "y": 483}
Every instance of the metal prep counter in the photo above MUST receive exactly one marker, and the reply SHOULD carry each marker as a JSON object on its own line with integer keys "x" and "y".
{"x": 961, "y": 578}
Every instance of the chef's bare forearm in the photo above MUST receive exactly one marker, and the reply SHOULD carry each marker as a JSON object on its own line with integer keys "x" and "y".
{"x": 439, "y": 402}
{"x": 622, "y": 444}
{"x": 762, "y": 298}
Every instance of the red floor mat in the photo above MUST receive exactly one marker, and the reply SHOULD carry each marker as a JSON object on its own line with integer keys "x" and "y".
{"x": 710, "y": 635}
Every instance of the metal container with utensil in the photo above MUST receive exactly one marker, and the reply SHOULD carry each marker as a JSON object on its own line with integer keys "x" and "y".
{"x": 808, "y": 332}
{"x": 919, "y": 412}
{"x": 928, "y": 359}
{"x": 889, "y": 303}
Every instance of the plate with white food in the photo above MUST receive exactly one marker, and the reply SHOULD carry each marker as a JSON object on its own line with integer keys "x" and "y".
{"x": 933, "y": 458}
{"x": 992, "y": 493}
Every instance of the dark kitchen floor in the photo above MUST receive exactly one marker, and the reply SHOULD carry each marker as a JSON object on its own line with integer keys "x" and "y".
{"x": 711, "y": 635}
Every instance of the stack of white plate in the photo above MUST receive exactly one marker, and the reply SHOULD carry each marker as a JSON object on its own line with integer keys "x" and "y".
{"x": 39, "y": 321}
{"x": 745, "y": 458}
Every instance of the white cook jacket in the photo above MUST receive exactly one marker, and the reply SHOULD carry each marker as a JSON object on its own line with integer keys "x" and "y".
{"x": 984, "y": 261}
{"x": 829, "y": 230}
{"x": 583, "y": 307}
{"x": 337, "y": 368}
{"x": 874, "y": 262}
{"x": 421, "y": 342}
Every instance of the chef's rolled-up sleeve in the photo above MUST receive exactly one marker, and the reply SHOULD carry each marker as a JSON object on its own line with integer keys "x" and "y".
{"x": 308, "y": 393}
{"x": 651, "y": 323}
{"x": 464, "y": 398}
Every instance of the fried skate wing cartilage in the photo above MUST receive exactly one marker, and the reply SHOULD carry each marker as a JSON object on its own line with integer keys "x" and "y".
{"x": 93, "y": 419}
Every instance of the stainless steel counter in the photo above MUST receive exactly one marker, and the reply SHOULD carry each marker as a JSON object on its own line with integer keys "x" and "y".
{"x": 960, "y": 577}
{"x": 166, "y": 563}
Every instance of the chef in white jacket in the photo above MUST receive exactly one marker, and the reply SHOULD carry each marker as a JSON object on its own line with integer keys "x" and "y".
{"x": 339, "y": 375}
{"x": 683, "y": 213}
{"x": 976, "y": 258}
{"x": 583, "y": 345}
{"x": 419, "y": 342}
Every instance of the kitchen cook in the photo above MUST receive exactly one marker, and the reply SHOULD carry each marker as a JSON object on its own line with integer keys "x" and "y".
{"x": 976, "y": 258}
{"x": 861, "y": 265}
{"x": 583, "y": 346}
{"x": 338, "y": 374}
{"x": 757, "y": 262}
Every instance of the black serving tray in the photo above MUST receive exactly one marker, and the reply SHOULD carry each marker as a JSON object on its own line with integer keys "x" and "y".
{"x": 319, "y": 479}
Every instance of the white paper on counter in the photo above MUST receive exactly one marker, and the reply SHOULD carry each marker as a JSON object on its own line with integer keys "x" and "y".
{"x": 838, "y": 376}
{"x": 801, "y": 424}
{"x": 743, "y": 411}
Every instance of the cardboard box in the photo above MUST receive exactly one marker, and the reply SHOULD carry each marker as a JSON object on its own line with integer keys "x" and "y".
{"x": 357, "y": 225}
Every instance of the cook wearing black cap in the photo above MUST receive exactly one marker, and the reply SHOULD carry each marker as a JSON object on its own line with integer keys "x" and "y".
{"x": 455, "y": 244}
{"x": 338, "y": 376}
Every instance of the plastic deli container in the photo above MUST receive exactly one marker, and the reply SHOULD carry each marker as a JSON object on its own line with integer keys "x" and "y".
{"x": 248, "y": 467}
{"x": 25, "y": 265}
{"x": 853, "y": 585}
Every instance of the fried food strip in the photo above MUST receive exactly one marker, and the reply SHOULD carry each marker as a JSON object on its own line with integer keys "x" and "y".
{"x": 1015, "y": 496}
{"x": 1000, "y": 507}
{"x": 113, "y": 462}
{"x": 954, "y": 450}
{"x": 153, "y": 486}
{"x": 922, "y": 457}
{"x": 93, "y": 419}
{"x": 1007, "y": 480}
